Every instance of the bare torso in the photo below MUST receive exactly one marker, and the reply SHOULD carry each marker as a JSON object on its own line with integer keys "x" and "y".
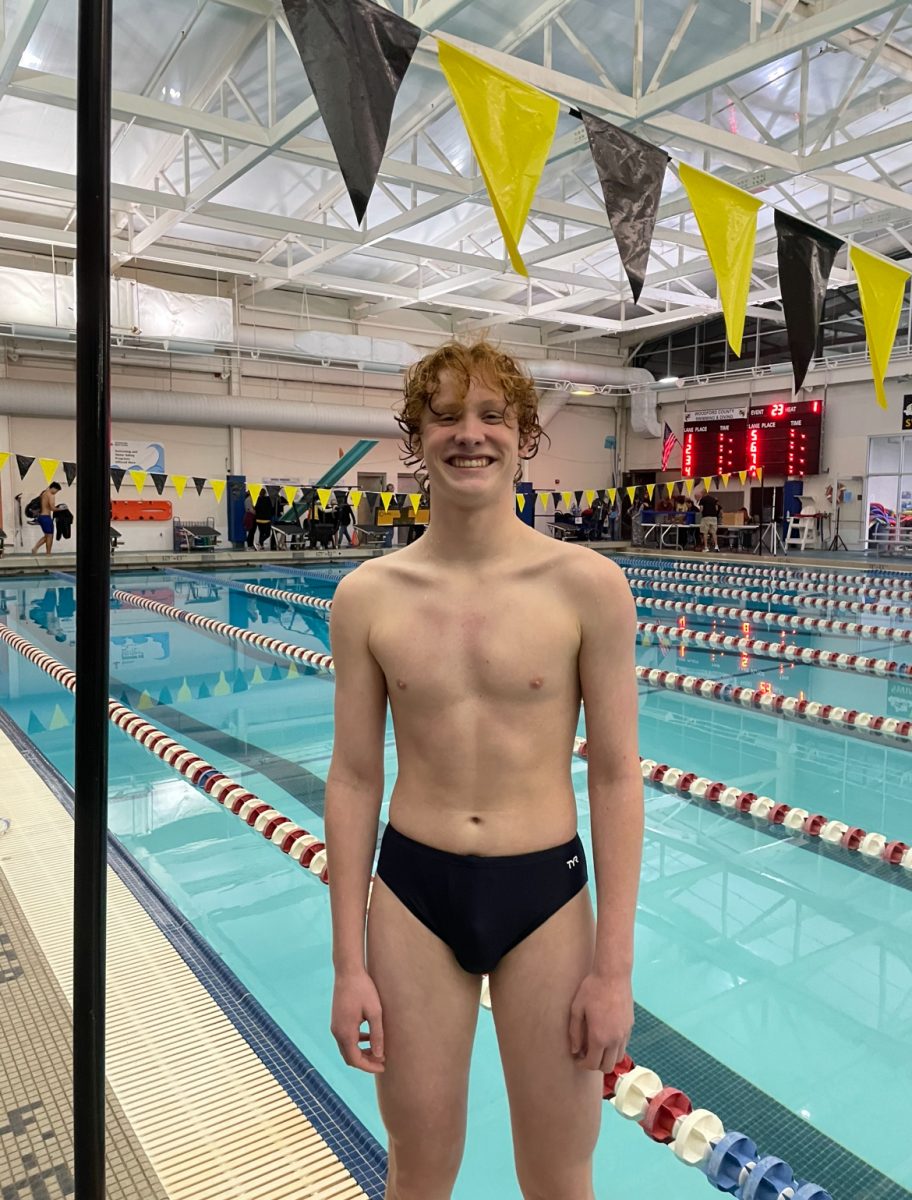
{"x": 483, "y": 680}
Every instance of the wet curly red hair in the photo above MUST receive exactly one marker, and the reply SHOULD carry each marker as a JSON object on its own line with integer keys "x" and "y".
{"x": 481, "y": 360}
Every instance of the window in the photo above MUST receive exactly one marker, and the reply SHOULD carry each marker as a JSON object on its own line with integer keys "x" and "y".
{"x": 889, "y": 490}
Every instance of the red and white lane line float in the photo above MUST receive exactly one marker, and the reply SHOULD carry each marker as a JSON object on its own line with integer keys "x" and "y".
{"x": 859, "y": 663}
{"x": 730, "y": 1160}
{"x": 310, "y": 658}
{"x": 800, "y": 600}
{"x": 300, "y": 845}
{"x": 784, "y": 574}
{"x": 879, "y": 633}
{"x": 687, "y": 589}
{"x": 777, "y": 705}
{"x": 838, "y": 834}
{"x": 699, "y": 571}
{"x": 257, "y": 589}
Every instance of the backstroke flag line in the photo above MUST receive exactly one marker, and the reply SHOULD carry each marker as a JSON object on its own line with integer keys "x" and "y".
{"x": 806, "y": 258}
{"x": 727, "y": 218}
{"x": 511, "y": 127}
{"x": 631, "y": 172}
{"x": 356, "y": 55}
{"x": 881, "y": 286}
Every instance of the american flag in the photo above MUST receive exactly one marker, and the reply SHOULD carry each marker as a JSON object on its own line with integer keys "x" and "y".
{"x": 668, "y": 444}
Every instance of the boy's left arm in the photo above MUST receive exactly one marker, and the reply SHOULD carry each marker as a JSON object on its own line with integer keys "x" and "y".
{"x": 602, "y": 1013}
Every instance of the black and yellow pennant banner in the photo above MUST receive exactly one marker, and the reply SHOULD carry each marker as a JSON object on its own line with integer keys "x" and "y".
{"x": 325, "y": 496}
{"x": 356, "y": 56}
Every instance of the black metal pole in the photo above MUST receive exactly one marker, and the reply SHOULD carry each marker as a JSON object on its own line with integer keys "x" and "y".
{"x": 93, "y": 577}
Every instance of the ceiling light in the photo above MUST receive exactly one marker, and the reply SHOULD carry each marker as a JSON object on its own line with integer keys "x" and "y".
{"x": 583, "y": 390}
{"x": 669, "y": 379}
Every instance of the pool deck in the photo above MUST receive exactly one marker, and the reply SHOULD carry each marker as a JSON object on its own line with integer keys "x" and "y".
{"x": 192, "y": 1112}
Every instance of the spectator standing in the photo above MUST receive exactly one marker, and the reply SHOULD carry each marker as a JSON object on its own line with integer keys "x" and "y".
{"x": 264, "y": 512}
{"x": 709, "y": 521}
{"x": 249, "y": 521}
{"x": 346, "y": 520}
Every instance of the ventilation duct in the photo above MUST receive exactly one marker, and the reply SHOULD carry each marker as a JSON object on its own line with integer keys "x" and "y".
{"x": 644, "y": 415}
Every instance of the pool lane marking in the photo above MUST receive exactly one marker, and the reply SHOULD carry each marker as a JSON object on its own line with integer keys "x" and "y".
{"x": 310, "y": 658}
{"x": 297, "y": 843}
{"x": 881, "y": 633}
{"x": 698, "y": 573}
{"x": 834, "y": 833}
{"x": 256, "y": 589}
{"x": 641, "y": 560}
{"x": 687, "y": 589}
{"x": 643, "y": 577}
{"x": 778, "y": 705}
{"x": 702, "y": 638}
{"x": 666, "y": 1115}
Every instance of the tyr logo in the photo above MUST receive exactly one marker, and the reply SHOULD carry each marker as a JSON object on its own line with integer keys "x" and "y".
{"x": 573, "y": 862}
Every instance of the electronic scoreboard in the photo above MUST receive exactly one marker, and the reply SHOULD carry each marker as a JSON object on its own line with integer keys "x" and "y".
{"x": 781, "y": 438}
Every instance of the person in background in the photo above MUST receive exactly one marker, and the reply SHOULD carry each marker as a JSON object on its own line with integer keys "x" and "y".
{"x": 709, "y": 521}
{"x": 346, "y": 520}
{"x": 249, "y": 521}
{"x": 665, "y": 504}
{"x": 745, "y": 536}
{"x": 45, "y": 518}
{"x": 264, "y": 512}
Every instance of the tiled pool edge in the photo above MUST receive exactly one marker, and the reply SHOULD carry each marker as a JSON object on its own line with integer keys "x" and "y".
{"x": 346, "y": 1136}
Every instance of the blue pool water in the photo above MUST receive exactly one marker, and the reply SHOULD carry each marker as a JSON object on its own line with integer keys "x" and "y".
{"x": 773, "y": 977}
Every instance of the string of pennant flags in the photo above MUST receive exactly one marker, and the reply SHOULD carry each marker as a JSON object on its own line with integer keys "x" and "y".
{"x": 356, "y": 56}
{"x": 50, "y": 466}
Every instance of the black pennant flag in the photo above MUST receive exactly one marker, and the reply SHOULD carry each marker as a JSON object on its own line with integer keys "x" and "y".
{"x": 199, "y": 484}
{"x": 117, "y": 477}
{"x": 631, "y": 173}
{"x": 806, "y": 257}
{"x": 69, "y": 470}
{"x": 159, "y": 480}
{"x": 24, "y": 462}
{"x": 356, "y": 55}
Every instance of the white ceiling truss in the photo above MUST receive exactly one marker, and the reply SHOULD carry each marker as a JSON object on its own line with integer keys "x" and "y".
{"x": 222, "y": 168}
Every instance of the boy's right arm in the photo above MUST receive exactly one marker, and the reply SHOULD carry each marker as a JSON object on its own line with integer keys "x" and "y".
{"x": 354, "y": 792}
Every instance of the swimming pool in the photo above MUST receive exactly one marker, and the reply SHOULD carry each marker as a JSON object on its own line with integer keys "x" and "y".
{"x": 773, "y": 971}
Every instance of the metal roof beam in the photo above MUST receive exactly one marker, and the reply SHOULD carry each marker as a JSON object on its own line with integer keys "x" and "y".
{"x": 17, "y": 38}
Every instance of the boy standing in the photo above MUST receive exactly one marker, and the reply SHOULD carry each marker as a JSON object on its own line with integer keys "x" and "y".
{"x": 481, "y": 869}
{"x": 48, "y": 500}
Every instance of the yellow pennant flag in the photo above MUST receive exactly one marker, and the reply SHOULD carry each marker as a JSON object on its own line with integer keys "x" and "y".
{"x": 325, "y": 494}
{"x": 881, "y": 286}
{"x": 590, "y": 494}
{"x": 257, "y": 677}
{"x": 183, "y": 692}
{"x": 544, "y": 497}
{"x": 631, "y": 492}
{"x": 218, "y": 487}
{"x": 180, "y": 482}
{"x": 521, "y": 501}
{"x": 354, "y": 497}
{"x": 742, "y": 475}
{"x": 759, "y": 474}
{"x": 612, "y": 495}
{"x": 725, "y": 479}
{"x": 49, "y": 467}
{"x": 670, "y": 486}
{"x": 254, "y": 489}
{"x": 59, "y": 720}
{"x": 139, "y": 479}
{"x": 290, "y": 490}
{"x": 386, "y": 497}
{"x": 145, "y": 701}
{"x": 223, "y": 687}
{"x": 707, "y": 483}
{"x": 650, "y": 488}
{"x": 4, "y": 459}
{"x": 689, "y": 484}
{"x": 415, "y": 500}
{"x": 568, "y": 497}
{"x": 727, "y": 218}
{"x": 511, "y": 127}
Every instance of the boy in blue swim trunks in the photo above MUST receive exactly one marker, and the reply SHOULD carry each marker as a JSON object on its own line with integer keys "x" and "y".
{"x": 46, "y": 518}
{"x": 483, "y": 637}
